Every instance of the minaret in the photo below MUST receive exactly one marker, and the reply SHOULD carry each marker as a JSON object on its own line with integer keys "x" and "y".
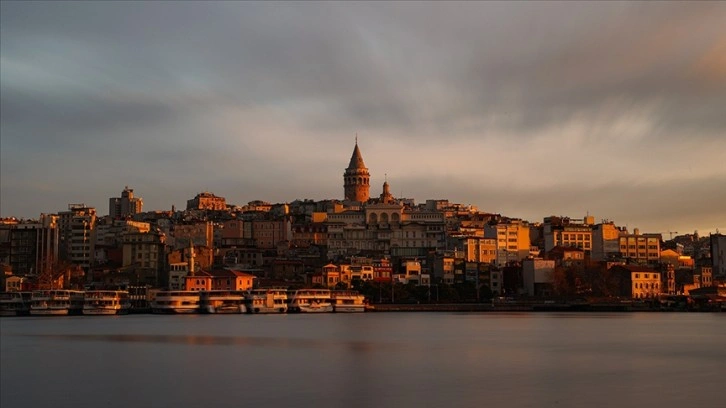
{"x": 191, "y": 258}
{"x": 356, "y": 178}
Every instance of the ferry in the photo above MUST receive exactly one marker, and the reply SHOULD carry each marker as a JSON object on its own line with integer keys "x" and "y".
{"x": 56, "y": 302}
{"x": 348, "y": 301}
{"x": 106, "y": 302}
{"x": 15, "y": 303}
{"x": 175, "y": 302}
{"x": 223, "y": 301}
{"x": 311, "y": 301}
{"x": 267, "y": 300}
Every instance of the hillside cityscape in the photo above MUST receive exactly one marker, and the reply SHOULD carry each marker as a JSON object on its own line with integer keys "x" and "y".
{"x": 392, "y": 249}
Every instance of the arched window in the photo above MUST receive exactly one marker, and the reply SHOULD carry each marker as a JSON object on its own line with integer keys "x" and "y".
{"x": 373, "y": 219}
{"x": 384, "y": 218}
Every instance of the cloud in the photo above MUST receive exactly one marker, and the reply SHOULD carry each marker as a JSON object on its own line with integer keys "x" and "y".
{"x": 261, "y": 101}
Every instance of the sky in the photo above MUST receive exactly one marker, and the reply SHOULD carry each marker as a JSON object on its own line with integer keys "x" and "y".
{"x": 527, "y": 109}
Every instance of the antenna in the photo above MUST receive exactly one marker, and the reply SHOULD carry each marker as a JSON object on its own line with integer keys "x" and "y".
{"x": 356, "y": 138}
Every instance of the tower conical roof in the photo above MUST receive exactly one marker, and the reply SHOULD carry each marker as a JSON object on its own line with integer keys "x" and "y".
{"x": 356, "y": 160}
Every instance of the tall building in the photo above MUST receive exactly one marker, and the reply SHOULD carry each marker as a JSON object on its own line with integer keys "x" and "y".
{"x": 356, "y": 180}
{"x": 34, "y": 245}
{"x": 125, "y": 206}
{"x": 77, "y": 234}
{"x": 718, "y": 254}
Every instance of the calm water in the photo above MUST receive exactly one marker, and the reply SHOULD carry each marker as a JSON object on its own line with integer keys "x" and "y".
{"x": 367, "y": 360}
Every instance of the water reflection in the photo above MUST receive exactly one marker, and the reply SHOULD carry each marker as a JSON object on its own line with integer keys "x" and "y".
{"x": 208, "y": 340}
{"x": 372, "y": 360}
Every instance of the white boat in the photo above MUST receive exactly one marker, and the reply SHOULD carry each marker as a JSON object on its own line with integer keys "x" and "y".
{"x": 15, "y": 303}
{"x": 311, "y": 301}
{"x": 106, "y": 302}
{"x": 223, "y": 301}
{"x": 348, "y": 301}
{"x": 267, "y": 300}
{"x": 175, "y": 302}
{"x": 56, "y": 302}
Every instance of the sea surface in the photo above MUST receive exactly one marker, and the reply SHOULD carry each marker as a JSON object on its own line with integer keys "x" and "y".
{"x": 365, "y": 360}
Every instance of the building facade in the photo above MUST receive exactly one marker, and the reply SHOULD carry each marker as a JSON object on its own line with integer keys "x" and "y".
{"x": 512, "y": 240}
{"x": 640, "y": 248}
{"x": 207, "y": 201}
{"x": 125, "y": 206}
{"x": 77, "y": 234}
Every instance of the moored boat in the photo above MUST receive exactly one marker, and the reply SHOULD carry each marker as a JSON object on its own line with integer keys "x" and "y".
{"x": 311, "y": 301}
{"x": 223, "y": 301}
{"x": 106, "y": 302}
{"x": 56, "y": 302}
{"x": 348, "y": 301}
{"x": 267, "y": 300}
{"x": 175, "y": 302}
{"x": 15, "y": 303}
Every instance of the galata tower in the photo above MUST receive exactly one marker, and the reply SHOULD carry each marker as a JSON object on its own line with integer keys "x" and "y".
{"x": 356, "y": 180}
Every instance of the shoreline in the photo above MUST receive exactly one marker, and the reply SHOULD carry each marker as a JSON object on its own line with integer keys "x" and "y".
{"x": 539, "y": 307}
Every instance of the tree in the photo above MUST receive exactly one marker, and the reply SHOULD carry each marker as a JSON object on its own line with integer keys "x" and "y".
{"x": 485, "y": 293}
{"x": 564, "y": 281}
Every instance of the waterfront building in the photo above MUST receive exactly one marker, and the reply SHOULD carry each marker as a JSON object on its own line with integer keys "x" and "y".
{"x": 125, "y": 206}
{"x": 218, "y": 279}
{"x": 178, "y": 272}
{"x": 382, "y": 269}
{"x": 77, "y": 229}
{"x": 144, "y": 253}
{"x": 638, "y": 282}
{"x": 329, "y": 276}
{"x": 33, "y": 245}
{"x": 702, "y": 277}
{"x": 14, "y": 283}
{"x": 444, "y": 267}
{"x": 537, "y": 276}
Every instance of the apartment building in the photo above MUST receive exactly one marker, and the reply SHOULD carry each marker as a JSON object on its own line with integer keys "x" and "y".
{"x": 512, "y": 240}
{"x": 640, "y": 248}
{"x": 77, "y": 234}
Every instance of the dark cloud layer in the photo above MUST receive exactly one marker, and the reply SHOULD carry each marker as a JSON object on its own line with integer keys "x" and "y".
{"x": 175, "y": 97}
